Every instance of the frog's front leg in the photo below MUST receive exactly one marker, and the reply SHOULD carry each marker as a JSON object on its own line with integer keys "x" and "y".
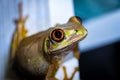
{"x": 52, "y": 71}
{"x": 65, "y": 73}
{"x": 76, "y": 52}
{"x": 55, "y": 63}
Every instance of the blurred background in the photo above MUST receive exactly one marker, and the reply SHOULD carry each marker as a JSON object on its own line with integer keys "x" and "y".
{"x": 99, "y": 50}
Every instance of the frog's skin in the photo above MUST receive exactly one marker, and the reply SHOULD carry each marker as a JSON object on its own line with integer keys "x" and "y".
{"x": 40, "y": 55}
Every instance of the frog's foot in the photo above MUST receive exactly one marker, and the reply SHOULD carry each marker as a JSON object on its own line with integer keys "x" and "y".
{"x": 65, "y": 73}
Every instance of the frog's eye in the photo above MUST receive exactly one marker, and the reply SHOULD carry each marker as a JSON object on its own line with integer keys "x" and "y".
{"x": 57, "y": 35}
{"x": 75, "y": 19}
{"x": 79, "y": 19}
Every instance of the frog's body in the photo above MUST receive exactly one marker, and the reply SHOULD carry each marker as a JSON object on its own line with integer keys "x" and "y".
{"x": 40, "y": 55}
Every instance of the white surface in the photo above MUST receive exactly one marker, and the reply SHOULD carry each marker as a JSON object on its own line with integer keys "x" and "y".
{"x": 70, "y": 65}
{"x": 38, "y": 15}
{"x": 102, "y": 30}
{"x": 60, "y": 11}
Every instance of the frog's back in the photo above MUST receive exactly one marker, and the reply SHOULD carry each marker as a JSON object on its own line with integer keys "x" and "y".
{"x": 32, "y": 38}
{"x": 30, "y": 58}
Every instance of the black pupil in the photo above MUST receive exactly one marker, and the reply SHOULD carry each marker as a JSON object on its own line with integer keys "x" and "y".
{"x": 58, "y": 34}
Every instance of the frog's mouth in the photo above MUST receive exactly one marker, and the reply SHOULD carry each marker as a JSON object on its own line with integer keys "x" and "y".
{"x": 65, "y": 49}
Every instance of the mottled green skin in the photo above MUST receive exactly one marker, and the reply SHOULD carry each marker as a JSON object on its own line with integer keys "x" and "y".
{"x": 37, "y": 53}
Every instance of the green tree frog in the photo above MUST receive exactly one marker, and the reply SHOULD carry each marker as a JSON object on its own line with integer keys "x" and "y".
{"x": 39, "y": 56}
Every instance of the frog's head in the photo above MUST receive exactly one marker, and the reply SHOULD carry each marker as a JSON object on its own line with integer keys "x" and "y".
{"x": 63, "y": 38}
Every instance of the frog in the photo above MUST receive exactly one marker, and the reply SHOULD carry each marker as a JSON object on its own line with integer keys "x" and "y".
{"x": 39, "y": 56}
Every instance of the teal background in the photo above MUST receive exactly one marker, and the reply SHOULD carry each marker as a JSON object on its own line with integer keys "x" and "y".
{"x": 91, "y": 8}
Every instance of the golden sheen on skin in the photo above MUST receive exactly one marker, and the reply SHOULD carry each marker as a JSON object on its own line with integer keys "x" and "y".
{"x": 39, "y": 56}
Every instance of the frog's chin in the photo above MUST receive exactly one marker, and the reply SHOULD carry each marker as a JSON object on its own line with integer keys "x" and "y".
{"x": 64, "y": 50}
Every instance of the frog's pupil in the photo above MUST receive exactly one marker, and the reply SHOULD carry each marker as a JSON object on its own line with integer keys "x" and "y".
{"x": 58, "y": 34}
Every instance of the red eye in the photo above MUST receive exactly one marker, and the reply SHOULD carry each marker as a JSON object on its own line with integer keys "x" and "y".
{"x": 57, "y": 35}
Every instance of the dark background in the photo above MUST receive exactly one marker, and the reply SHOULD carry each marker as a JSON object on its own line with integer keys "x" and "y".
{"x": 101, "y": 62}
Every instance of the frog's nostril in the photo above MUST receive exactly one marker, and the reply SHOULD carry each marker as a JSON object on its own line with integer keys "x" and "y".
{"x": 76, "y": 30}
